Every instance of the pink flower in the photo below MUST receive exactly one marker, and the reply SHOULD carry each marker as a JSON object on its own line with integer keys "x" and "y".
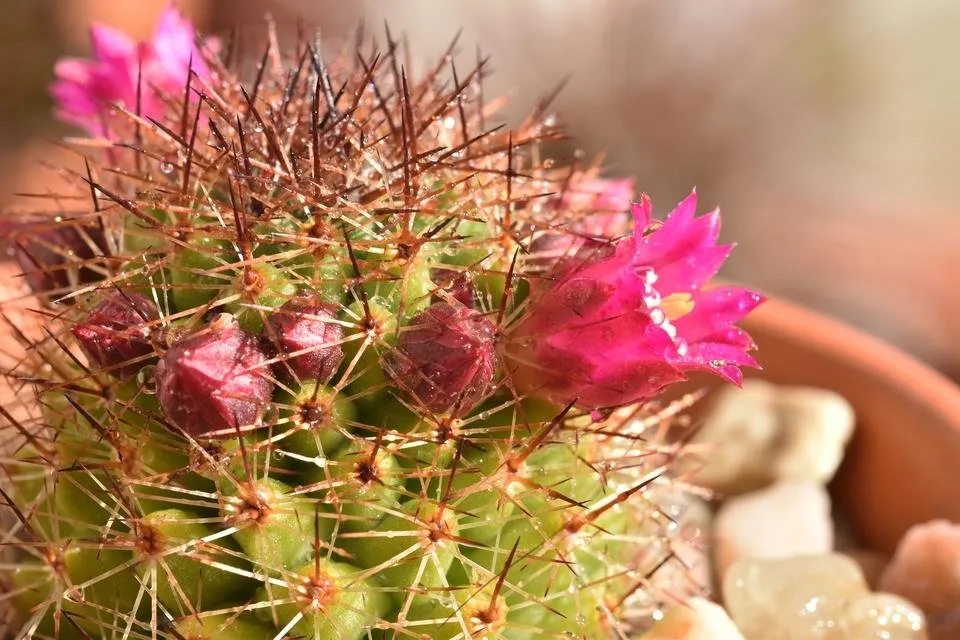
{"x": 84, "y": 89}
{"x": 621, "y": 325}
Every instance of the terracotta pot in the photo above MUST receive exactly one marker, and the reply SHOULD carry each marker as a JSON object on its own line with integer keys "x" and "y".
{"x": 903, "y": 465}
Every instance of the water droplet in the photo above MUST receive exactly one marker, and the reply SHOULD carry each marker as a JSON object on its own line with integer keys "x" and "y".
{"x": 718, "y": 363}
{"x": 550, "y": 120}
{"x": 279, "y": 454}
{"x": 682, "y": 347}
{"x": 449, "y": 122}
{"x": 657, "y": 316}
{"x": 657, "y": 615}
{"x": 320, "y": 461}
{"x": 167, "y": 168}
{"x": 257, "y": 127}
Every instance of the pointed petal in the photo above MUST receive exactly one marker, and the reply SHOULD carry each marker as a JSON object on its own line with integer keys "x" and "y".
{"x": 716, "y": 309}
{"x": 110, "y": 44}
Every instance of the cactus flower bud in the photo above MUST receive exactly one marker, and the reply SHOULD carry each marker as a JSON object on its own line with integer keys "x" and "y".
{"x": 306, "y": 331}
{"x": 214, "y": 382}
{"x": 619, "y": 327}
{"x": 114, "y": 334}
{"x": 52, "y": 252}
{"x": 445, "y": 358}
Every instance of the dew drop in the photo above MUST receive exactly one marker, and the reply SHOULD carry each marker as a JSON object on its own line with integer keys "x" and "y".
{"x": 449, "y": 122}
{"x": 657, "y": 316}
{"x": 167, "y": 168}
{"x": 682, "y": 347}
{"x": 279, "y": 454}
{"x": 320, "y": 461}
{"x": 257, "y": 127}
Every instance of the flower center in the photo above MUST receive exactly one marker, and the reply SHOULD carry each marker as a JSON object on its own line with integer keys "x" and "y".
{"x": 677, "y": 305}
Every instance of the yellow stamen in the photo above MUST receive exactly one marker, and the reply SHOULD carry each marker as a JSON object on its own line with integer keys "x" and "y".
{"x": 677, "y": 305}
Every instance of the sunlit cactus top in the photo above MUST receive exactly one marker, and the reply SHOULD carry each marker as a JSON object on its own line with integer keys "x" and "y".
{"x": 330, "y": 354}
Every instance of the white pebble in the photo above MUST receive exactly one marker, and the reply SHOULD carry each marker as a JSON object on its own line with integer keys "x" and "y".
{"x": 781, "y": 521}
{"x": 765, "y": 433}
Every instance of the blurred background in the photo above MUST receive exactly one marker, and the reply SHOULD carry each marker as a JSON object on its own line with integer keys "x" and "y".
{"x": 827, "y": 130}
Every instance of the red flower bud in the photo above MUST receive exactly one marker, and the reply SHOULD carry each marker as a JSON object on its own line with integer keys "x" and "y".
{"x": 214, "y": 382}
{"x": 445, "y": 358}
{"x": 305, "y": 330}
{"x": 52, "y": 253}
{"x": 114, "y": 334}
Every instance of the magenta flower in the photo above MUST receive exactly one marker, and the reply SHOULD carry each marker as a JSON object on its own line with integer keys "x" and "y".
{"x": 84, "y": 89}
{"x": 623, "y": 324}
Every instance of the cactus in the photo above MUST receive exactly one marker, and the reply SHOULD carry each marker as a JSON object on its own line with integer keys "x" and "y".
{"x": 291, "y": 389}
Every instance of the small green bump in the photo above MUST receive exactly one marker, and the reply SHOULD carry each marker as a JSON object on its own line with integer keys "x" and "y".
{"x": 403, "y": 287}
{"x": 118, "y": 591}
{"x": 411, "y": 549}
{"x": 170, "y": 541}
{"x": 317, "y": 419}
{"x": 276, "y": 530}
{"x": 363, "y": 485}
{"x": 261, "y": 287}
{"x": 222, "y": 627}
{"x": 335, "y": 602}
{"x": 368, "y": 337}
{"x": 200, "y": 271}
{"x": 473, "y": 610}
{"x": 475, "y": 246}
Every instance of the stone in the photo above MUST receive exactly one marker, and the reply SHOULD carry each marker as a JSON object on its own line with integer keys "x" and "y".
{"x": 784, "y": 520}
{"x": 925, "y": 568}
{"x": 883, "y": 616}
{"x": 765, "y": 433}
{"x": 696, "y": 619}
{"x": 798, "y": 598}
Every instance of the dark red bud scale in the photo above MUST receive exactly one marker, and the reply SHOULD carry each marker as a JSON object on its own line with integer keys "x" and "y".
{"x": 445, "y": 358}
{"x": 306, "y": 328}
{"x": 115, "y": 336}
{"x": 215, "y": 382}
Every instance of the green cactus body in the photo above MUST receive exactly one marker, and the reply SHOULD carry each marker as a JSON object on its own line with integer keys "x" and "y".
{"x": 408, "y": 491}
